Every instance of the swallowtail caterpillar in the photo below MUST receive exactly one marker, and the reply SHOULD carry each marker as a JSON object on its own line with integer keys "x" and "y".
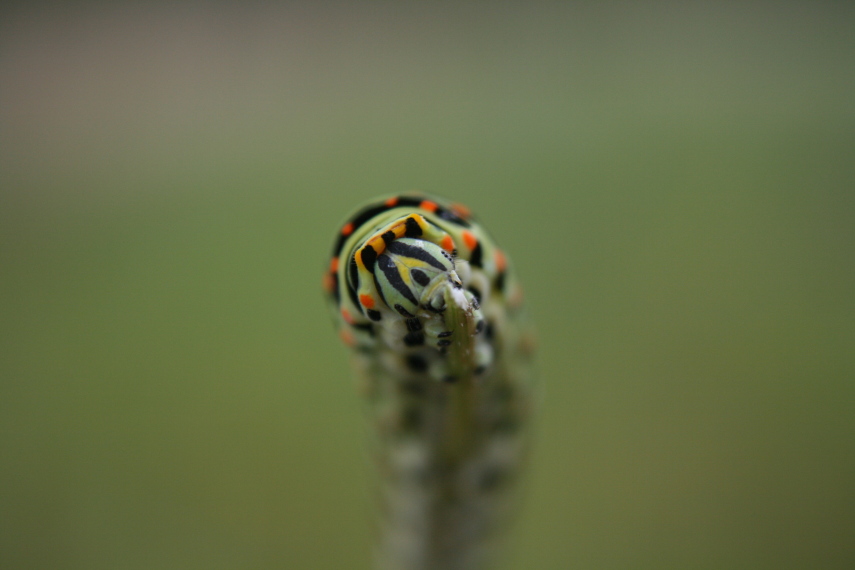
{"x": 433, "y": 315}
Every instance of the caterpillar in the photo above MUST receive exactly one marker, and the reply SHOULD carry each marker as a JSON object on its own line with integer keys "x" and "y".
{"x": 442, "y": 353}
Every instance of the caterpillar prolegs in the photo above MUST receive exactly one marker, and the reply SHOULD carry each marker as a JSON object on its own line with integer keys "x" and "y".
{"x": 442, "y": 353}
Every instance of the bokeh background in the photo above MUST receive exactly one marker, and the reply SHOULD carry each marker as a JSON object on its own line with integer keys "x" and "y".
{"x": 675, "y": 182}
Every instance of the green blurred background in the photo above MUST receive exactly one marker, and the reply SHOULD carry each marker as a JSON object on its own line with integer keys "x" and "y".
{"x": 674, "y": 181}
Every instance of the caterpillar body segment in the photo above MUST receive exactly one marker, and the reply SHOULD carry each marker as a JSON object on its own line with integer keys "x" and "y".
{"x": 442, "y": 352}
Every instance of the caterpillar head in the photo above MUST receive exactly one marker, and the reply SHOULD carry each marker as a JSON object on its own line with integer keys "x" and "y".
{"x": 414, "y": 274}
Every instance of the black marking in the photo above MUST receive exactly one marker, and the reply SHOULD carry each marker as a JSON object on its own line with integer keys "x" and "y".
{"x": 489, "y": 332}
{"x": 410, "y": 200}
{"x": 444, "y": 343}
{"x": 480, "y": 326}
{"x": 451, "y": 217}
{"x": 353, "y": 272}
{"x": 413, "y": 229}
{"x": 336, "y": 293}
{"x": 413, "y": 325}
{"x": 475, "y": 293}
{"x": 480, "y": 369}
{"x": 387, "y": 266}
{"x": 402, "y": 311}
{"x": 379, "y": 289}
{"x": 447, "y": 256}
{"x": 420, "y": 277}
{"x": 366, "y": 327}
{"x": 500, "y": 281}
{"x": 369, "y": 257}
{"x": 353, "y": 282}
{"x": 445, "y": 334}
{"x": 433, "y": 309}
{"x": 477, "y": 254}
{"x": 416, "y": 338}
{"x": 450, "y": 379}
{"x": 388, "y": 237}
{"x": 374, "y": 315}
{"x": 416, "y": 363}
{"x": 407, "y": 250}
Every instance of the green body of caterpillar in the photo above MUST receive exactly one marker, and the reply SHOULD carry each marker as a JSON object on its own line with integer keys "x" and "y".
{"x": 433, "y": 315}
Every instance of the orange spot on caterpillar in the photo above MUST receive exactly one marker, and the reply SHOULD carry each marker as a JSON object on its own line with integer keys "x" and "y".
{"x": 447, "y": 243}
{"x": 348, "y": 318}
{"x": 501, "y": 261}
{"x": 392, "y": 201}
{"x": 346, "y": 337}
{"x": 469, "y": 239}
{"x": 334, "y": 265}
{"x": 428, "y": 205}
{"x": 461, "y": 210}
{"x": 327, "y": 282}
{"x": 347, "y": 229}
{"x": 367, "y": 301}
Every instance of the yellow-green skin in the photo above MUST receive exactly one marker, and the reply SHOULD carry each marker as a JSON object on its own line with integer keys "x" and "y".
{"x": 447, "y": 378}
